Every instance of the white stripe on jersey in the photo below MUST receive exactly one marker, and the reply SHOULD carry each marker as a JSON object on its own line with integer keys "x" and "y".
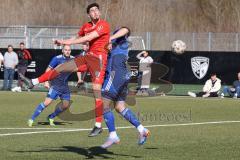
{"x": 50, "y": 90}
{"x": 112, "y": 75}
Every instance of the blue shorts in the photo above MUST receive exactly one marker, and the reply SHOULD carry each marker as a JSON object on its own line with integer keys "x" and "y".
{"x": 54, "y": 94}
{"x": 115, "y": 88}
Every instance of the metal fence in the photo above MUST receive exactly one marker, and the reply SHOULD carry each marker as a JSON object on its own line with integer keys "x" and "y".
{"x": 42, "y": 37}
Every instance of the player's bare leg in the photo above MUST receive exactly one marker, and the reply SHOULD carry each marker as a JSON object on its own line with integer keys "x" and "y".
{"x": 69, "y": 66}
{"x": 98, "y": 110}
{"x": 97, "y": 70}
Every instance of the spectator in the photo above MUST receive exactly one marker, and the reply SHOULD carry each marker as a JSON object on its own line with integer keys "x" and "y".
{"x": 144, "y": 76}
{"x": 234, "y": 90}
{"x": 210, "y": 89}
{"x": 85, "y": 48}
{"x": 1, "y": 59}
{"x": 10, "y": 63}
{"x": 24, "y": 58}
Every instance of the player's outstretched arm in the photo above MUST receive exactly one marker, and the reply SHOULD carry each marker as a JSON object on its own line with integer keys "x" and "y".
{"x": 121, "y": 32}
{"x": 78, "y": 40}
{"x": 47, "y": 84}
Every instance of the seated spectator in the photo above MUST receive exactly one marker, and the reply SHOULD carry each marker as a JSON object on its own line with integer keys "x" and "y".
{"x": 234, "y": 90}
{"x": 210, "y": 89}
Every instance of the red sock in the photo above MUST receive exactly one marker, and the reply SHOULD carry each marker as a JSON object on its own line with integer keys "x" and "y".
{"x": 47, "y": 76}
{"x": 98, "y": 110}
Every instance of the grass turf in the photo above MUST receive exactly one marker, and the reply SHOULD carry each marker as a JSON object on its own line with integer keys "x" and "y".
{"x": 208, "y": 141}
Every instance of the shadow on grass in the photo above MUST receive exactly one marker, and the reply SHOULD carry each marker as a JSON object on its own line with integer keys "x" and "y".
{"x": 56, "y": 123}
{"x": 151, "y": 148}
{"x": 89, "y": 153}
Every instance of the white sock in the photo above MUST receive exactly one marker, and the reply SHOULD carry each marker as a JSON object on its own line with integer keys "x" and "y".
{"x": 113, "y": 134}
{"x": 140, "y": 128}
{"x": 35, "y": 81}
{"x": 98, "y": 124}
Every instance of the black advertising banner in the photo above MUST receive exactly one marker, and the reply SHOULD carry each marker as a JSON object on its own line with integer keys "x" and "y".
{"x": 194, "y": 67}
{"x": 188, "y": 68}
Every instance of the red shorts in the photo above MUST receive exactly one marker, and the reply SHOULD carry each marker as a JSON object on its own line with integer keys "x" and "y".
{"x": 95, "y": 64}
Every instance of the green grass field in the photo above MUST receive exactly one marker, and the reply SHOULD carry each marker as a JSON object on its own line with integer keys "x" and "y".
{"x": 210, "y": 130}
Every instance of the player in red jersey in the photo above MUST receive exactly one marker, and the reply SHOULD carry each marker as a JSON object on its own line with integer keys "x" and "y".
{"x": 97, "y": 33}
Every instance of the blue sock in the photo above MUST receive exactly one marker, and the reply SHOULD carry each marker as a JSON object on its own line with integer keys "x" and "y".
{"x": 55, "y": 113}
{"x": 130, "y": 116}
{"x": 37, "y": 111}
{"x": 109, "y": 120}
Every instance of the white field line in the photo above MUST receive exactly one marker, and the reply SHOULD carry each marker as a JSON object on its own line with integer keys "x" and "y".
{"x": 188, "y": 97}
{"x": 62, "y": 130}
{"x": 32, "y": 128}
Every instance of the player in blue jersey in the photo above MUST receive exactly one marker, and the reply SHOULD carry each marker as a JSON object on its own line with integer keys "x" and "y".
{"x": 58, "y": 87}
{"x": 115, "y": 88}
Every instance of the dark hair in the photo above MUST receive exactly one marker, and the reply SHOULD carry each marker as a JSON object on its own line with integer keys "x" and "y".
{"x": 10, "y": 46}
{"x": 22, "y": 43}
{"x": 213, "y": 74}
{"x": 92, "y": 5}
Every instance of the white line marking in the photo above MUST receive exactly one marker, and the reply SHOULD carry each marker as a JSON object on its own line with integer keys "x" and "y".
{"x": 35, "y": 128}
{"x": 182, "y": 97}
{"x": 61, "y": 130}
{"x": 37, "y": 132}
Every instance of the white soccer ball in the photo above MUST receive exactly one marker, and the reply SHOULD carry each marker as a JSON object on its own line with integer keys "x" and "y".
{"x": 179, "y": 47}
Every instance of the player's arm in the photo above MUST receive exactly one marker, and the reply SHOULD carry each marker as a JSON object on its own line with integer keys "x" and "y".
{"x": 78, "y": 40}
{"x": 120, "y": 33}
{"x": 75, "y": 37}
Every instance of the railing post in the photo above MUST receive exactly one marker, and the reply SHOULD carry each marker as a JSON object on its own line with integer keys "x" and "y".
{"x": 193, "y": 41}
{"x": 148, "y": 40}
{"x": 40, "y": 43}
{"x": 237, "y": 40}
{"x": 209, "y": 41}
{"x": 56, "y": 32}
{"x": 26, "y": 36}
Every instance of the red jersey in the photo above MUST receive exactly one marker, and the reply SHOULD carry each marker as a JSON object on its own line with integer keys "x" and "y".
{"x": 97, "y": 45}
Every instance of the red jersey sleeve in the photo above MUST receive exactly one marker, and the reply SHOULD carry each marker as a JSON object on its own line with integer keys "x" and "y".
{"x": 81, "y": 31}
{"x": 103, "y": 28}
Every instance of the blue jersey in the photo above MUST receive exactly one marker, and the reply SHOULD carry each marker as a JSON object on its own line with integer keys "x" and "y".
{"x": 117, "y": 58}
{"x": 117, "y": 73}
{"x": 60, "y": 83}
